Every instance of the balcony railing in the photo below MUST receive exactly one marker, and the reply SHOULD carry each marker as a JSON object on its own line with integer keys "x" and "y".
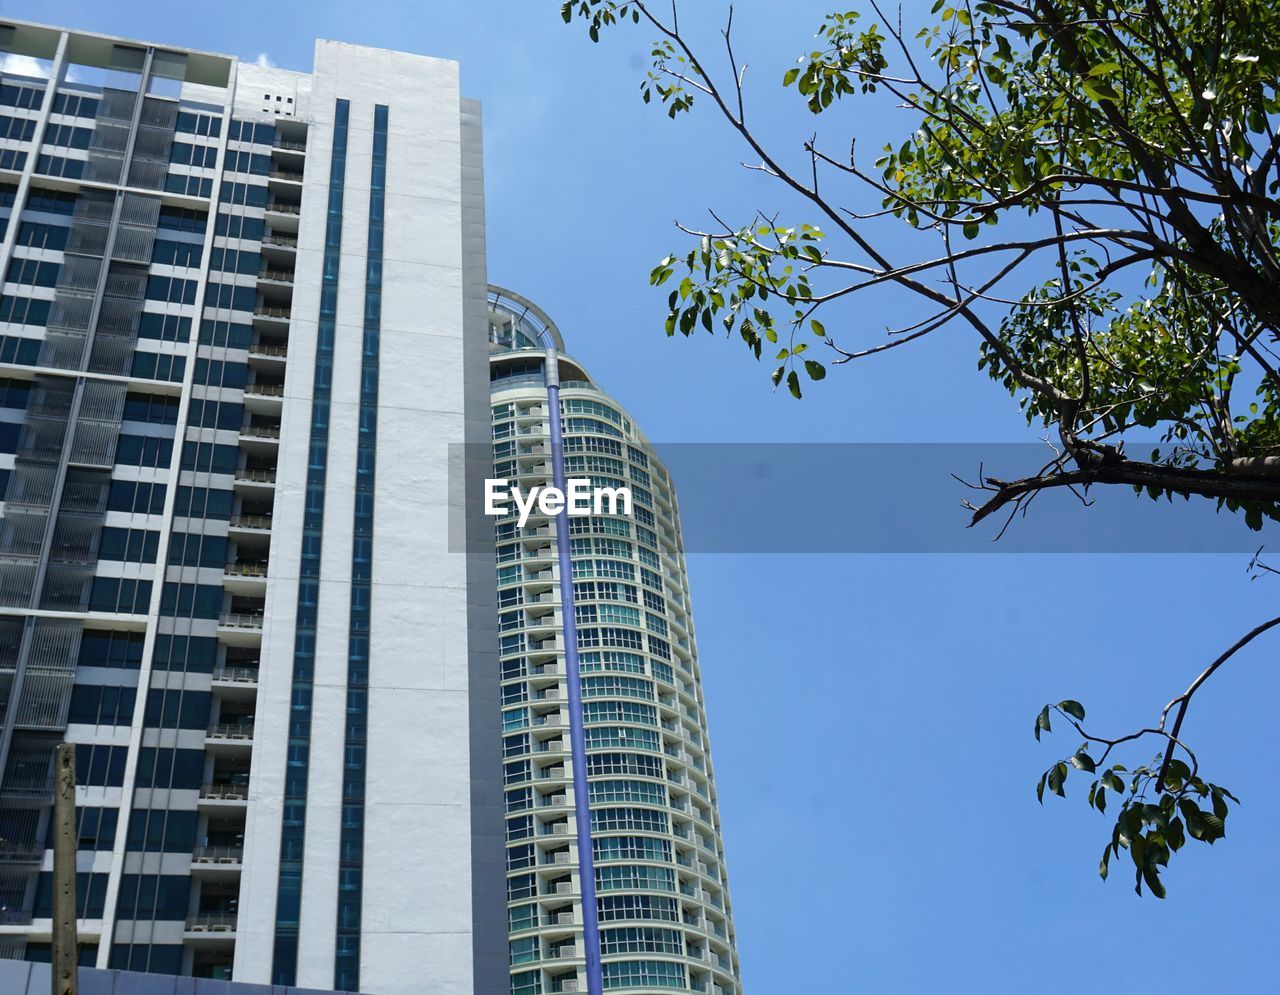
{"x": 256, "y": 476}
{"x": 236, "y": 675}
{"x": 268, "y": 349}
{"x": 246, "y": 568}
{"x": 286, "y": 174}
{"x": 230, "y": 730}
{"x": 217, "y": 855}
{"x": 259, "y": 522}
{"x": 284, "y": 207}
{"x": 265, "y": 390}
{"x": 283, "y": 241}
{"x": 288, "y": 146}
{"x": 261, "y": 431}
{"x": 279, "y": 275}
{"x": 262, "y": 311}
{"x": 241, "y": 620}
{"x": 225, "y": 792}
{"x": 212, "y": 922}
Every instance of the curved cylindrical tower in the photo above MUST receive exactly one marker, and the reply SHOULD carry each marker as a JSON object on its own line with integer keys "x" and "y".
{"x": 666, "y": 922}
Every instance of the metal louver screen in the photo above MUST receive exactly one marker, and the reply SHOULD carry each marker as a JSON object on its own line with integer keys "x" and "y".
{"x": 81, "y": 273}
{"x": 98, "y": 424}
{"x": 153, "y": 143}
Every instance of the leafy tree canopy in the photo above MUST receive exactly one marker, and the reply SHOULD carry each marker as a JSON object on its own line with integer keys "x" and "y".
{"x": 1096, "y": 183}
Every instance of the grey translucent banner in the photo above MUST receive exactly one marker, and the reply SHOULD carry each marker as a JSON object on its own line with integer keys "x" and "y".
{"x": 905, "y": 498}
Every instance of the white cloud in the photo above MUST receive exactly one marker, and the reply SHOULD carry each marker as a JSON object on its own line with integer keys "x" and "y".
{"x": 24, "y": 65}
{"x": 263, "y": 61}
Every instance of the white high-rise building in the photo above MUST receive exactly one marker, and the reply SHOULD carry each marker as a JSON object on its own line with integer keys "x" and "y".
{"x": 243, "y": 321}
{"x": 662, "y": 888}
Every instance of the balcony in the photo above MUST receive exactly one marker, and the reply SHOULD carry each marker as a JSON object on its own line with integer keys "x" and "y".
{"x": 229, "y": 674}
{"x": 246, "y": 568}
{"x": 251, "y": 523}
{"x": 281, "y": 276}
{"x": 280, "y": 240}
{"x": 272, "y": 315}
{"x": 228, "y": 792}
{"x": 241, "y": 628}
{"x": 283, "y": 207}
{"x": 256, "y": 479}
{"x": 205, "y": 923}
{"x": 261, "y": 432}
{"x": 246, "y": 578}
{"x": 288, "y": 175}
{"x": 268, "y": 350}
{"x": 222, "y": 855}
{"x": 239, "y": 732}
{"x": 264, "y": 390}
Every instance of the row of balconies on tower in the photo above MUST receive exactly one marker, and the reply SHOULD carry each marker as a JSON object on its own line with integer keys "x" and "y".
{"x": 217, "y": 861}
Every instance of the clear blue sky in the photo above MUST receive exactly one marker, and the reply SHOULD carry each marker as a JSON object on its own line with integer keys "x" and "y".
{"x": 870, "y": 715}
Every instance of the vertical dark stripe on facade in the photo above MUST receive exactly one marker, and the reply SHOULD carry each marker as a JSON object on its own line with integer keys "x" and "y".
{"x": 346, "y": 967}
{"x": 284, "y": 969}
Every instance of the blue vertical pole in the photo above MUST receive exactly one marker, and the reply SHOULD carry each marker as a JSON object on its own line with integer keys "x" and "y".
{"x": 573, "y": 680}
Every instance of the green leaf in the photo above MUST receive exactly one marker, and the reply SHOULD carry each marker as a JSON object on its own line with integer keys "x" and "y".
{"x": 818, "y": 327}
{"x": 789, "y": 76}
{"x": 1042, "y": 722}
{"x": 815, "y": 369}
{"x": 1151, "y": 875}
{"x": 1082, "y": 761}
{"x": 1073, "y": 708}
{"x": 1099, "y": 90}
{"x": 793, "y": 384}
{"x": 1057, "y": 777}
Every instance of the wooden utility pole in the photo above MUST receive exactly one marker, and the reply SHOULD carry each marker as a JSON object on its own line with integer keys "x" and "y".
{"x": 65, "y": 954}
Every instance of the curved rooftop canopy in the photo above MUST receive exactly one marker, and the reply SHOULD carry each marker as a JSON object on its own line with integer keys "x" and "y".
{"x": 516, "y": 323}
